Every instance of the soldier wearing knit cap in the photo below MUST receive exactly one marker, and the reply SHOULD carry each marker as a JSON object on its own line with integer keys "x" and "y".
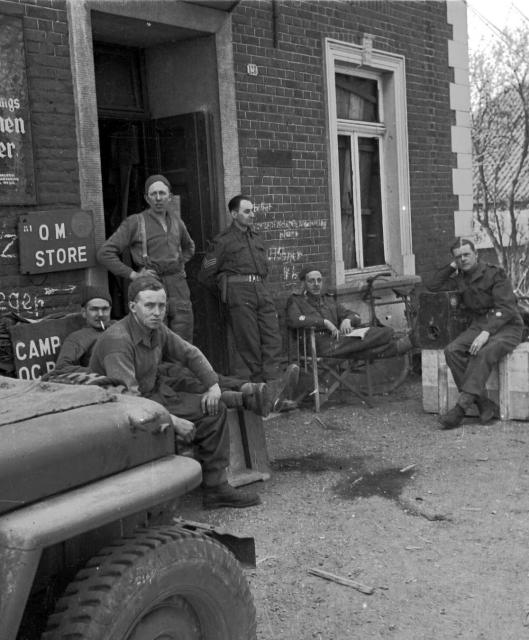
{"x": 77, "y": 347}
{"x": 159, "y": 245}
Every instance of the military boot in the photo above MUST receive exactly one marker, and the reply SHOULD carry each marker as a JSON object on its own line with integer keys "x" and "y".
{"x": 488, "y": 410}
{"x": 453, "y": 418}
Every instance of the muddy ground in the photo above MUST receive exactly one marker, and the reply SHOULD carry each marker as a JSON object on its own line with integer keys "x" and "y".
{"x": 443, "y": 544}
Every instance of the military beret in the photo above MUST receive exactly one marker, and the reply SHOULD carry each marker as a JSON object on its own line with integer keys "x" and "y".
{"x": 90, "y": 293}
{"x": 143, "y": 283}
{"x": 156, "y": 178}
{"x": 303, "y": 273}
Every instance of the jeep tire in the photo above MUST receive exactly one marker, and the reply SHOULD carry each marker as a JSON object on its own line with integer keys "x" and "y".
{"x": 161, "y": 583}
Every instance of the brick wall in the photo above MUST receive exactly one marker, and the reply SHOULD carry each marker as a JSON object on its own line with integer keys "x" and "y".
{"x": 283, "y": 109}
{"x": 50, "y": 92}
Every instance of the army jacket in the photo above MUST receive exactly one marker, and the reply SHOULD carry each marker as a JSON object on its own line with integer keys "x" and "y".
{"x": 167, "y": 251}
{"x": 306, "y": 310}
{"x": 235, "y": 252}
{"x": 486, "y": 293}
{"x": 131, "y": 354}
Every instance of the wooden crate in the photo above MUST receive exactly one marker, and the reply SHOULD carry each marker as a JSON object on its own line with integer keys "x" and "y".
{"x": 438, "y": 395}
{"x": 514, "y": 384}
{"x": 508, "y": 385}
{"x": 248, "y": 453}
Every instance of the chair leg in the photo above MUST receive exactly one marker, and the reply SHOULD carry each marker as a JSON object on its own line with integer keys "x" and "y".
{"x": 315, "y": 378}
{"x": 341, "y": 380}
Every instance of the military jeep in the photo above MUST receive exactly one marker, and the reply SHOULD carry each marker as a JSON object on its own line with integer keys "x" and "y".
{"x": 91, "y": 547}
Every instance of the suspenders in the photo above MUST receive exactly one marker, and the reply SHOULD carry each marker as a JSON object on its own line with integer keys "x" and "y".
{"x": 175, "y": 220}
{"x": 143, "y": 238}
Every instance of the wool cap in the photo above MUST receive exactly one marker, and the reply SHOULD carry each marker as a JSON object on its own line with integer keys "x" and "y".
{"x": 156, "y": 178}
{"x": 303, "y": 273}
{"x": 90, "y": 293}
{"x": 143, "y": 283}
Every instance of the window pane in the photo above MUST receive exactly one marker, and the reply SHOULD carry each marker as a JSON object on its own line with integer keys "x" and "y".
{"x": 356, "y": 98}
{"x": 371, "y": 201}
{"x": 347, "y": 202}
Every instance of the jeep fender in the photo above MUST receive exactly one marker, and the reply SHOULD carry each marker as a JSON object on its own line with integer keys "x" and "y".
{"x": 24, "y": 533}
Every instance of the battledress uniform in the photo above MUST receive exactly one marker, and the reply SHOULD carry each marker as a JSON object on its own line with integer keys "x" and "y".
{"x": 307, "y": 310}
{"x": 131, "y": 355}
{"x": 166, "y": 253}
{"x": 488, "y": 297}
{"x": 237, "y": 263}
{"x": 76, "y": 349}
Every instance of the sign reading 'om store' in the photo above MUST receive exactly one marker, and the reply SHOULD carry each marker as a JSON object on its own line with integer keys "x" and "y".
{"x": 17, "y": 181}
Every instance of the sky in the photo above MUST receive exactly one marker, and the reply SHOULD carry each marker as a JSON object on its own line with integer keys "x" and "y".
{"x": 484, "y": 15}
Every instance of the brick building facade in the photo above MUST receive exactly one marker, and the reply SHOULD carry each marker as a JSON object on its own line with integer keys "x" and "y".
{"x": 345, "y": 121}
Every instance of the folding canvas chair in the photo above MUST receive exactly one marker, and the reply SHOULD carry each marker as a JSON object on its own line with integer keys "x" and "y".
{"x": 337, "y": 369}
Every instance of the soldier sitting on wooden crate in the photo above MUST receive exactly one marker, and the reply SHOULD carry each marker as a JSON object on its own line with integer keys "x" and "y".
{"x": 495, "y": 329}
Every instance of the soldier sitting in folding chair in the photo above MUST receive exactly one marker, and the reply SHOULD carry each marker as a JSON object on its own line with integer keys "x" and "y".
{"x": 336, "y": 326}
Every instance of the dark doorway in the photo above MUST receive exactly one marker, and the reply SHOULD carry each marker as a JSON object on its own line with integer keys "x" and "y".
{"x": 133, "y": 146}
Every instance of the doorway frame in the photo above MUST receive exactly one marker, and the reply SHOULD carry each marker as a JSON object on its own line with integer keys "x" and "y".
{"x": 212, "y": 21}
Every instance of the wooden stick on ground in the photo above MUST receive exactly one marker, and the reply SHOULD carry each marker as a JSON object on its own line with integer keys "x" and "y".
{"x": 345, "y": 581}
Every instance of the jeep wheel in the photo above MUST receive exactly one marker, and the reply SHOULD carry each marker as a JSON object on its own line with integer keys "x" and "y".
{"x": 161, "y": 584}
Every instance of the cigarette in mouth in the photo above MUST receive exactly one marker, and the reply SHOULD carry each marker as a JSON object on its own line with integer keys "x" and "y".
{"x": 102, "y": 324}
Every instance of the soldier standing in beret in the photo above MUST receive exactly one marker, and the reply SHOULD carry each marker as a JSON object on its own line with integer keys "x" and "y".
{"x": 160, "y": 245}
{"x": 238, "y": 265}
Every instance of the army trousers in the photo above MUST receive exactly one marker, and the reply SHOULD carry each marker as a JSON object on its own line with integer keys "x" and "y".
{"x": 179, "y": 316}
{"x": 212, "y": 440}
{"x": 253, "y": 318}
{"x": 472, "y": 372}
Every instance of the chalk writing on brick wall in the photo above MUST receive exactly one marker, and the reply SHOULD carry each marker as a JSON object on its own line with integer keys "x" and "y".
{"x": 21, "y": 302}
{"x": 17, "y": 179}
{"x": 56, "y": 241}
{"x": 7, "y": 245}
{"x": 282, "y": 254}
{"x": 290, "y": 272}
{"x": 269, "y": 225}
{"x": 262, "y": 207}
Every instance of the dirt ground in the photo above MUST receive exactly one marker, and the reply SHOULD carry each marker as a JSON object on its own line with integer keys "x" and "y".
{"x": 442, "y": 543}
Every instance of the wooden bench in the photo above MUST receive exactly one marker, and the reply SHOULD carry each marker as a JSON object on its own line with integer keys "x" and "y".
{"x": 508, "y": 384}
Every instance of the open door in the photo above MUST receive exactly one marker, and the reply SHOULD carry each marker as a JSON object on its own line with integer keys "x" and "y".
{"x": 180, "y": 147}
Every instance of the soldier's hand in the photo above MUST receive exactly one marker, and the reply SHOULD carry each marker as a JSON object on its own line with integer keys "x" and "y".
{"x": 184, "y": 429}
{"x": 345, "y": 327}
{"x": 332, "y": 329}
{"x": 479, "y": 341}
{"x": 143, "y": 272}
{"x": 210, "y": 401}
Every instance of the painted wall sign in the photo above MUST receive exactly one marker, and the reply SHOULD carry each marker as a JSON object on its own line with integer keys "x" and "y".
{"x": 17, "y": 179}
{"x": 59, "y": 240}
{"x": 36, "y": 345}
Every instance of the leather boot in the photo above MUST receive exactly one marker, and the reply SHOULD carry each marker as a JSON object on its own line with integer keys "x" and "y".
{"x": 283, "y": 388}
{"x": 453, "y": 418}
{"x": 256, "y": 397}
{"x": 488, "y": 410}
{"x": 224, "y": 495}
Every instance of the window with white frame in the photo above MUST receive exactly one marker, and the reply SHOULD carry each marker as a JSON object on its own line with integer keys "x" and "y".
{"x": 370, "y": 217}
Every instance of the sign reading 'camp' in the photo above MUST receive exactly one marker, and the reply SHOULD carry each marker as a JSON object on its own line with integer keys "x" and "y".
{"x": 56, "y": 241}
